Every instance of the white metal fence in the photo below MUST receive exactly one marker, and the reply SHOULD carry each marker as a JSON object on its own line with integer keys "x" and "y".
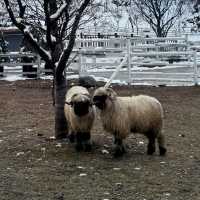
{"x": 138, "y": 43}
{"x": 27, "y": 64}
{"x": 148, "y": 60}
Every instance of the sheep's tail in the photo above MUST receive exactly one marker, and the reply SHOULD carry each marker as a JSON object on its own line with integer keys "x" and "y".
{"x": 161, "y": 144}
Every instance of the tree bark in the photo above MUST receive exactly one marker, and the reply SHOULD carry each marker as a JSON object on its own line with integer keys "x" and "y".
{"x": 61, "y": 127}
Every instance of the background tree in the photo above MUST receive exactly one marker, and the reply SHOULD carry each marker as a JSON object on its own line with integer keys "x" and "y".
{"x": 194, "y": 17}
{"x": 161, "y": 15}
{"x": 55, "y": 21}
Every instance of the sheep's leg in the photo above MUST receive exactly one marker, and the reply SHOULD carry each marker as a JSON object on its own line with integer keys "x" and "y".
{"x": 119, "y": 147}
{"x": 86, "y": 141}
{"x": 71, "y": 137}
{"x": 79, "y": 145}
{"x": 151, "y": 145}
{"x": 161, "y": 143}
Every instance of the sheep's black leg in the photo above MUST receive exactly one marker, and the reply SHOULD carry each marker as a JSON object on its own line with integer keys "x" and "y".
{"x": 71, "y": 137}
{"x": 86, "y": 141}
{"x": 161, "y": 143}
{"x": 79, "y": 145}
{"x": 119, "y": 148}
{"x": 162, "y": 151}
{"x": 151, "y": 145}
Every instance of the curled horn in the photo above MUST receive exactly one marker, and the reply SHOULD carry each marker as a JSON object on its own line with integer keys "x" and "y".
{"x": 111, "y": 93}
{"x": 69, "y": 103}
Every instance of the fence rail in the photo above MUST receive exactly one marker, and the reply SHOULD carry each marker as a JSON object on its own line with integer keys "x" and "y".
{"x": 165, "y": 52}
{"x": 102, "y": 60}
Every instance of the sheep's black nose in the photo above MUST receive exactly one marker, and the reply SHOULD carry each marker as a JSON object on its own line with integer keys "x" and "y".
{"x": 99, "y": 102}
{"x": 81, "y": 108}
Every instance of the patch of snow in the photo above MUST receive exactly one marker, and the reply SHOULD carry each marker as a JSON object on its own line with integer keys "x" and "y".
{"x": 12, "y": 78}
{"x": 194, "y": 37}
{"x": 80, "y": 167}
{"x": 43, "y": 149}
{"x": 104, "y": 151}
{"x": 29, "y": 129}
{"x": 116, "y": 168}
{"x": 141, "y": 142}
{"x": 82, "y": 174}
{"x": 19, "y": 20}
{"x": 74, "y": 76}
{"x": 47, "y": 77}
{"x": 58, "y": 12}
{"x": 20, "y": 153}
{"x": 137, "y": 168}
{"x": 58, "y": 145}
{"x": 191, "y": 156}
{"x": 106, "y": 146}
{"x": 167, "y": 194}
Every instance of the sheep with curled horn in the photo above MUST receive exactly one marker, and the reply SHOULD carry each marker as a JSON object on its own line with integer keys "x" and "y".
{"x": 80, "y": 115}
{"x": 137, "y": 114}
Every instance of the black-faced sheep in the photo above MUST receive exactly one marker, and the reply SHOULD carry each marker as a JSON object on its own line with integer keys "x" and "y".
{"x": 80, "y": 115}
{"x": 136, "y": 114}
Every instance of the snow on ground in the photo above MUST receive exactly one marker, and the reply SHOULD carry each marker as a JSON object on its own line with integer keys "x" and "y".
{"x": 101, "y": 68}
{"x": 194, "y": 37}
{"x": 13, "y": 78}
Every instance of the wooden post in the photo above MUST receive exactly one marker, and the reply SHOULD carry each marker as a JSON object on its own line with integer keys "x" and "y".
{"x": 94, "y": 61}
{"x": 80, "y": 62}
{"x": 129, "y": 60}
{"x": 195, "y": 69}
{"x": 39, "y": 66}
{"x": 186, "y": 41}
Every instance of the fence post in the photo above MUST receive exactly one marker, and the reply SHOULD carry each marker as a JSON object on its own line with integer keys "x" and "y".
{"x": 80, "y": 61}
{"x": 94, "y": 60}
{"x": 129, "y": 60}
{"x": 195, "y": 69}
{"x": 39, "y": 66}
{"x": 186, "y": 42}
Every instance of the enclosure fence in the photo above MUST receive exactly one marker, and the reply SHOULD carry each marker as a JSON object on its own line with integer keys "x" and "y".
{"x": 154, "y": 59}
{"x": 158, "y": 60}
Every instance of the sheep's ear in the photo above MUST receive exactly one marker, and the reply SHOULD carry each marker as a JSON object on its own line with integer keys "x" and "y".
{"x": 72, "y": 98}
{"x": 88, "y": 95}
{"x": 111, "y": 93}
{"x": 69, "y": 103}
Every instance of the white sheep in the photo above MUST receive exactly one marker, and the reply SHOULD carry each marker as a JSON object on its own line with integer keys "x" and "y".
{"x": 80, "y": 115}
{"x": 137, "y": 114}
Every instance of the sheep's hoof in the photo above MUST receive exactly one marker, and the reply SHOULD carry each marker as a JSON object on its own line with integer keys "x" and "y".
{"x": 162, "y": 151}
{"x": 119, "y": 151}
{"x": 79, "y": 147}
{"x": 71, "y": 138}
{"x": 87, "y": 147}
{"x": 151, "y": 149}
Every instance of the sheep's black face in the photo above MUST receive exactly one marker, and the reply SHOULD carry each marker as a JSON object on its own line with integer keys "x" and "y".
{"x": 100, "y": 101}
{"x": 81, "y": 108}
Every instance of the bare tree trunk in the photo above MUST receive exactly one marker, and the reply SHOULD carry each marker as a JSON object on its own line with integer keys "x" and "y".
{"x": 61, "y": 128}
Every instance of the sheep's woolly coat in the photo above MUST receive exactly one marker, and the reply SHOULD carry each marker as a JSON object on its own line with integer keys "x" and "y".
{"x": 138, "y": 114}
{"x": 76, "y": 123}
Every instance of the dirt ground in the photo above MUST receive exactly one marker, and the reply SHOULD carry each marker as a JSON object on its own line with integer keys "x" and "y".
{"x": 33, "y": 167}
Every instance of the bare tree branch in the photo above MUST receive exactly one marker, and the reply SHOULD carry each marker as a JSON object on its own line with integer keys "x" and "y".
{"x": 159, "y": 13}
{"x": 65, "y": 56}
{"x": 26, "y": 33}
{"x": 21, "y": 8}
